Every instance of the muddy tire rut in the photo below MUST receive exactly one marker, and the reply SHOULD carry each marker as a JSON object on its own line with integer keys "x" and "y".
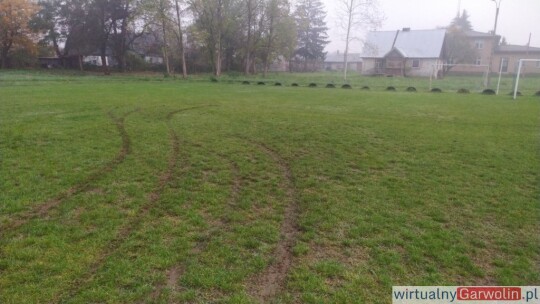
{"x": 43, "y": 209}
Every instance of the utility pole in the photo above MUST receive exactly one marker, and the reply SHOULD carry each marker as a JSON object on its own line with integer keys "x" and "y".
{"x": 498, "y": 6}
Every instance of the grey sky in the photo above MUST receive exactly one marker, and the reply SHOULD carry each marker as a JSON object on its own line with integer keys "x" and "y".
{"x": 517, "y": 18}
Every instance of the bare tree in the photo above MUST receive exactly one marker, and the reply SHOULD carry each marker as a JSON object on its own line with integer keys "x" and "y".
{"x": 180, "y": 36}
{"x": 353, "y": 15}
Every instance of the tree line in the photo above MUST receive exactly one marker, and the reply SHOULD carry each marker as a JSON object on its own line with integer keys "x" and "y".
{"x": 201, "y": 35}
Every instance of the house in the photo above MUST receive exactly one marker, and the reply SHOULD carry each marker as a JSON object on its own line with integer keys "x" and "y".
{"x": 483, "y": 44}
{"x": 334, "y": 62}
{"x": 404, "y": 53}
{"x": 509, "y": 55}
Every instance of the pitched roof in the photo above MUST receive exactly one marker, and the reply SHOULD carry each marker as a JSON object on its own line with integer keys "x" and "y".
{"x": 339, "y": 57}
{"x": 412, "y": 44}
{"x": 517, "y": 49}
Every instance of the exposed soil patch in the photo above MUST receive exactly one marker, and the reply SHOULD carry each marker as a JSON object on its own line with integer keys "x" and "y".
{"x": 41, "y": 210}
{"x": 266, "y": 285}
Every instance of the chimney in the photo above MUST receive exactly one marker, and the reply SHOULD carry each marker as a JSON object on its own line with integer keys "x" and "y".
{"x": 406, "y": 29}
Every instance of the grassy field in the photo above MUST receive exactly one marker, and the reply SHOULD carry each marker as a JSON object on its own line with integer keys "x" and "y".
{"x": 140, "y": 189}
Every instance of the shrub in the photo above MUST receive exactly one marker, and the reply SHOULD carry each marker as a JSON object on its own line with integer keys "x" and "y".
{"x": 390, "y": 88}
{"x": 463, "y": 91}
{"x": 488, "y": 92}
{"x": 346, "y": 86}
{"x": 245, "y": 82}
{"x": 294, "y": 85}
{"x": 365, "y": 88}
{"x": 312, "y": 85}
{"x": 411, "y": 89}
{"x": 436, "y": 90}
{"x": 330, "y": 86}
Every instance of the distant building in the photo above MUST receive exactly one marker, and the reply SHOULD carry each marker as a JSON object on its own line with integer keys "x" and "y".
{"x": 404, "y": 53}
{"x": 335, "y": 62}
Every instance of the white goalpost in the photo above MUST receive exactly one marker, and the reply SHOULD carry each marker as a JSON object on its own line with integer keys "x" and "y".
{"x": 521, "y": 61}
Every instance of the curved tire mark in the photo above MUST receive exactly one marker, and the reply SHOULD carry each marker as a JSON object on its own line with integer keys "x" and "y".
{"x": 42, "y": 209}
{"x": 266, "y": 285}
{"x": 135, "y": 223}
{"x": 177, "y": 271}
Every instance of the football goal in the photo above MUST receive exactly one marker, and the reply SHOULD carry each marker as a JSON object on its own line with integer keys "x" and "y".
{"x": 518, "y": 75}
{"x": 472, "y": 77}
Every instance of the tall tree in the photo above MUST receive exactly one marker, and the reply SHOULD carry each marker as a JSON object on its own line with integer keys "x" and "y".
{"x": 279, "y": 32}
{"x": 180, "y": 37}
{"x": 457, "y": 48}
{"x": 353, "y": 15}
{"x": 15, "y": 31}
{"x": 312, "y": 32}
{"x": 461, "y": 22}
{"x": 214, "y": 19}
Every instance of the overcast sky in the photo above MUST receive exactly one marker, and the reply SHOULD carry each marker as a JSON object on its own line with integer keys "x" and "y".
{"x": 517, "y": 18}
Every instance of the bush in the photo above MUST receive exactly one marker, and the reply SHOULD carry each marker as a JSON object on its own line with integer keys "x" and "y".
{"x": 260, "y": 83}
{"x": 365, "y": 88}
{"x": 463, "y": 91}
{"x": 411, "y": 89}
{"x": 245, "y": 82}
{"x": 346, "y": 86}
{"x": 488, "y": 92}
{"x": 277, "y": 84}
{"x": 330, "y": 86}
{"x": 436, "y": 90}
{"x": 390, "y": 88}
{"x": 312, "y": 85}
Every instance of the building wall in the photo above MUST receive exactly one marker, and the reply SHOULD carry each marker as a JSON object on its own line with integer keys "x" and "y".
{"x": 513, "y": 62}
{"x": 338, "y": 66}
{"x": 483, "y": 54}
{"x": 426, "y": 67}
{"x": 368, "y": 66}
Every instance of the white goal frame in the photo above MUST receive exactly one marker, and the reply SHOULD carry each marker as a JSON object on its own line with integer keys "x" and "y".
{"x": 521, "y": 61}
{"x": 439, "y": 65}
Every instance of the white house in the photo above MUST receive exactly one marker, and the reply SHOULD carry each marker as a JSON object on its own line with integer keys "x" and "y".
{"x": 404, "y": 53}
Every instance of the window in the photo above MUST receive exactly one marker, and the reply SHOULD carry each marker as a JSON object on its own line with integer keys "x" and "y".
{"x": 504, "y": 67}
{"x": 478, "y": 61}
{"x": 479, "y": 44}
{"x": 416, "y": 63}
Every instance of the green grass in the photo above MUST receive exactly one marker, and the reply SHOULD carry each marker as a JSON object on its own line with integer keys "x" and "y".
{"x": 393, "y": 188}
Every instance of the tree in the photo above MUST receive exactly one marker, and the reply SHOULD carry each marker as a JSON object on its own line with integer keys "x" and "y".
{"x": 15, "y": 31}
{"x": 215, "y": 20}
{"x": 462, "y": 22}
{"x": 180, "y": 37}
{"x": 312, "y": 32}
{"x": 353, "y": 15}
{"x": 457, "y": 48}
{"x": 279, "y": 33}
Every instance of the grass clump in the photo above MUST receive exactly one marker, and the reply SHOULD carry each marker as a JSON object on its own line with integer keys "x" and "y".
{"x": 277, "y": 84}
{"x": 346, "y": 86}
{"x": 261, "y": 83}
{"x": 391, "y": 89}
{"x": 436, "y": 90}
{"x": 312, "y": 85}
{"x": 245, "y": 82}
{"x": 330, "y": 86}
{"x": 365, "y": 88}
{"x": 294, "y": 84}
{"x": 488, "y": 92}
{"x": 463, "y": 91}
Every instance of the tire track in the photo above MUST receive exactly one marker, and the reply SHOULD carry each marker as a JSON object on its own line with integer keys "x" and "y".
{"x": 177, "y": 271}
{"x": 266, "y": 285}
{"x": 43, "y": 209}
{"x": 136, "y": 222}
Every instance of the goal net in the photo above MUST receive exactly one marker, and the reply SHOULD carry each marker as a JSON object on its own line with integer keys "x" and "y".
{"x": 454, "y": 77}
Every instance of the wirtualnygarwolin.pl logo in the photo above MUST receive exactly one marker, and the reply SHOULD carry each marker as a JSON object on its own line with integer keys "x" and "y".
{"x": 466, "y": 294}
